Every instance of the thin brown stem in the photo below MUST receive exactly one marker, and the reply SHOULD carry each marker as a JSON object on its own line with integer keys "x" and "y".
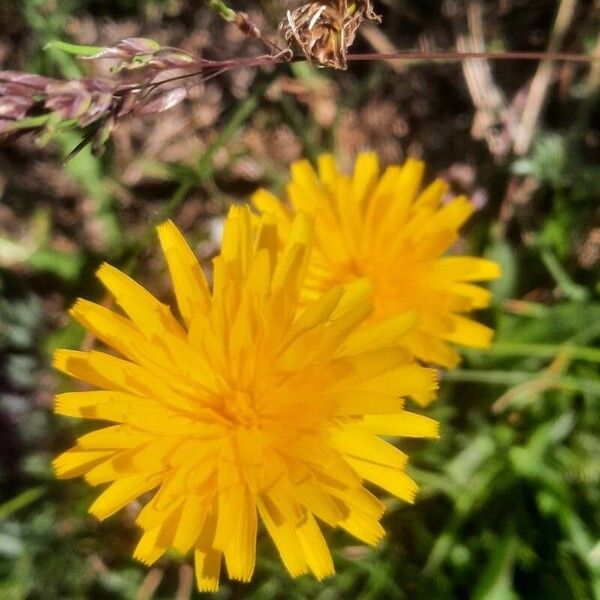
{"x": 220, "y": 66}
{"x": 458, "y": 56}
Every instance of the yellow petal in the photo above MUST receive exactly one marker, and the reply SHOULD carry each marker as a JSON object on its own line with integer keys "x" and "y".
{"x": 479, "y": 297}
{"x": 377, "y": 210}
{"x": 315, "y": 313}
{"x": 208, "y": 569}
{"x": 363, "y": 527}
{"x": 368, "y": 365}
{"x": 109, "y": 406}
{"x": 433, "y": 246}
{"x": 207, "y": 558}
{"x": 407, "y": 185}
{"x": 431, "y": 196}
{"x": 405, "y": 424}
{"x": 259, "y": 282}
{"x": 291, "y": 266}
{"x": 154, "y": 514}
{"x": 304, "y": 179}
{"x": 337, "y": 473}
{"x": 359, "y": 500}
{"x": 467, "y": 332}
{"x": 385, "y": 333}
{"x": 319, "y": 502}
{"x": 152, "y": 317}
{"x": 161, "y": 356}
{"x": 149, "y": 457}
{"x": 431, "y": 349}
{"x": 111, "y": 373}
{"x": 338, "y": 329}
{"x": 75, "y": 462}
{"x": 115, "y": 437}
{"x": 267, "y": 203}
{"x": 120, "y": 493}
{"x": 328, "y": 172}
{"x": 466, "y": 268}
{"x": 236, "y": 245}
{"x": 193, "y": 513}
{"x": 362, "y": 402}
{"x": 364, "y": 511}
{"x": 355, "y": 292}
{"x": 454, "y": 214}
{"x": 189, "y": 283}
{"x": 76, "y": 364}
{"x": 315, "y": 548}
{"x": 349, "y": 214}
{"x": 406, "y": 380}
{"x": 238, "y": 515}
{"x": 282, "y": 503}
{"x": 364, "y": 180}
{"x": 424, "y": 398}
{"x": 286, "y": 541}
{"x": 148, "y": 550}
{"x": 352, "y": 442}
{"x": 117, "y": 332}
{"x": 394, "y": 481}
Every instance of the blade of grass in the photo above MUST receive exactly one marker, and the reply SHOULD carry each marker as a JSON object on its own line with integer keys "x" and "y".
{"x": 541, "y": 351}
{"x": 495, "y": 581}
{"x": 571, "y": 290}
{"x": 474, "y": 493}
{"x": 21, "y": 501}
{"x": 508, "y": 378}
{"x": 74, "y": 49}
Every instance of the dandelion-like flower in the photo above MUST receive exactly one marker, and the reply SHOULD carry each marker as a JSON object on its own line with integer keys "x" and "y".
{"x": 247, "y": 409}
{"x": 388, "y": 229}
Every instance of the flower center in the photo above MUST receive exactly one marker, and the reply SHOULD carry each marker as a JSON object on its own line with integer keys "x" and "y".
{"x": 396, "y": 283}
{"x": 238, "y": 408}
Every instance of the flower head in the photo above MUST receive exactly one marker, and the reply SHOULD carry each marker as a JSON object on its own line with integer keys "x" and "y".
{"x": 246, "y": 409}
{"x": 391, "y": 231}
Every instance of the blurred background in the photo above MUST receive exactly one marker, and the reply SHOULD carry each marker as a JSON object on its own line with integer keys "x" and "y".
{"x": 510, "y": 498}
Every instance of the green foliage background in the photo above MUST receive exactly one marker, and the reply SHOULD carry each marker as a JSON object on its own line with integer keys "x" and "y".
{"x": 510, "y": 498}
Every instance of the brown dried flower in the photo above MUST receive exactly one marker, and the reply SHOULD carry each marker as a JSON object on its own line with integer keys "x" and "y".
{"x": 325, "y": 29}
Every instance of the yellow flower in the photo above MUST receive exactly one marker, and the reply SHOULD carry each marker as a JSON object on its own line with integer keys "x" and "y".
{"x": 389, "y": 230}
{"x": 247, "y": 408}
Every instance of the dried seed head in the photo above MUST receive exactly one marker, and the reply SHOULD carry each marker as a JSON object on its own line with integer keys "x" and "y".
{"x": 31, "y": 103}
{"x": 325, "y": 29}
